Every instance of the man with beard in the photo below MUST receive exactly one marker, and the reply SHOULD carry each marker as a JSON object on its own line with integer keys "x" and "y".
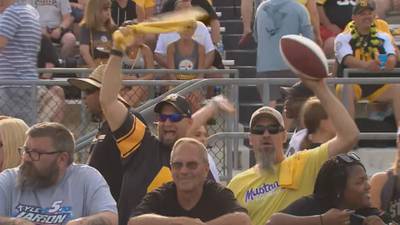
{"x": 190, "y": 199}
{"x": 275, "y": 181}
{"x": 48, "y": 188}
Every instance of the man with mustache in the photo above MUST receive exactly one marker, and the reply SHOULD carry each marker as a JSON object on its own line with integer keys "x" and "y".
{"x": 276, "y": 181}
{"x": 48, "y": 188}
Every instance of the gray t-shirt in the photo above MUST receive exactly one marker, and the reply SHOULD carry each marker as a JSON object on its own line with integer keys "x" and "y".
{"x": 51, "y": 11}
{"x": 81, "y": 192}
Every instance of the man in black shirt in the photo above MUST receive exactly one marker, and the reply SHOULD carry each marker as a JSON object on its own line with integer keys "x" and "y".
{"x": 189, "y": 199}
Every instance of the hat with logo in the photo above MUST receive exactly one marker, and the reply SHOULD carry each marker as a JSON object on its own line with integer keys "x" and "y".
{"x": 362, "y": 5}
{"x": 94, "y": 80}
{"x": 177, "y": 101}
{"x": 267, "y": 111}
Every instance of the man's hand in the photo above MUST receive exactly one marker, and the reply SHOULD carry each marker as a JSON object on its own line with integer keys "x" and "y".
{"x": 337, "y": 217}
{"x": 18, "y": 221}
{"x": 373, "y": 220}
{"x": 56, "y": 33}
{"x": 187, "y": 221}
{"x": 390, "y": 63}
{"x": 223, "y": 104}
{"x": 372, "y": 65}
{"x": 79, "y": 221}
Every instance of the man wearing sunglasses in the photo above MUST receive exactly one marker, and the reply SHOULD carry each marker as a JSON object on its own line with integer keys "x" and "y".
{"x": 48, "y": 188}
{"x": 276, "y": 181}
{"x": 145, "y": 158}
{"x": 189, "y": 199}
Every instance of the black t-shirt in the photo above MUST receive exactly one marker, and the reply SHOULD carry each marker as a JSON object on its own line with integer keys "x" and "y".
{"x": 309, "y": 206}
{"x": 145, "y": 164}
{"x": 104, "y": 156}
{"x": 169, "y": 6}
{"x": 47, "y": 53}
{"x": 339, "y": 12}
{"x": 120, "y": 15}
{"x": 215, "y": 201}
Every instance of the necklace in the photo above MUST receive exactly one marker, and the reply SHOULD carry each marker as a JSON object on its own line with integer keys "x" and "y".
{"x": 368, "y": 44}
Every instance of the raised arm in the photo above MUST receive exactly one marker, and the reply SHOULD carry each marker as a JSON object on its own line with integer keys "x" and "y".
{"x": 201, "y": 116}
{"x": 114, "y": 111}
{"x": 346, "y": 129}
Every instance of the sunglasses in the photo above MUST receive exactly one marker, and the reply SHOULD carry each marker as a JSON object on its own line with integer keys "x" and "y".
{"x": 176, "y": 117}
{"x": 272, "y": 129}
{"x": 348, "y": 158}
{"x": 192, "y": 165}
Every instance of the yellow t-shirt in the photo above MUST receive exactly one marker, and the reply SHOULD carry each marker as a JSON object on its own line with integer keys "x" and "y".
{"x": 260, "y": 192}
{"x": 303, "y": 2}
{"x": 145, "y": 3}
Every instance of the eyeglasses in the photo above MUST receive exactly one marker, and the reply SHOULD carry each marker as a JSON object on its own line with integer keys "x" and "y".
{"x": 34, "y": 154}
{"x": 192, "y": 165}
{"x": 272, "y": 129}
{"x": 90, "y": 91}
{"x": 176, "y": 117}
{"x": 348, "y": 158}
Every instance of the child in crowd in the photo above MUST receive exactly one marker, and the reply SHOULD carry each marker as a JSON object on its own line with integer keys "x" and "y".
{"x": 187, "y": 54}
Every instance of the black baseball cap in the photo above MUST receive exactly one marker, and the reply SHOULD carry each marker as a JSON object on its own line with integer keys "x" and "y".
{"x": 362, "y": 5}
{"x": 297, "y": 90}
{"x": 177, "y": 101}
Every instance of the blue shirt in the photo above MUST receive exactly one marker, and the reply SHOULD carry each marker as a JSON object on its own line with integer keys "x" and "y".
{"x": 274, "y": 19}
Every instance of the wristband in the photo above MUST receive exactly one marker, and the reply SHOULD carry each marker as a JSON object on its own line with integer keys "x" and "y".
{"x": 116, "y": 52}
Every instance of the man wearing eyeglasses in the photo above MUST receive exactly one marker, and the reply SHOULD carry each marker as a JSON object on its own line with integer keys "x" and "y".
{"x": 189, "y": 199}
{"x": 48, "y": 188}
{"x": 276, "y": 181}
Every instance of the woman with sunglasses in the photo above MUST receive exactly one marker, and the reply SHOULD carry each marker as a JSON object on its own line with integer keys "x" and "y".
{"x": 385, "y": 188}
{"x": 341, "y": 197}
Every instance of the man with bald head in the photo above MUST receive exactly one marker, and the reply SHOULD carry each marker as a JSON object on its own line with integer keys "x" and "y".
{"x": 189, "y": 199}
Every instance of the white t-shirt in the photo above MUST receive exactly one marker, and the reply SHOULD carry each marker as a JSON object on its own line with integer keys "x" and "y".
{"x": 295, "y": 141}
{"x": 201, "y": 35}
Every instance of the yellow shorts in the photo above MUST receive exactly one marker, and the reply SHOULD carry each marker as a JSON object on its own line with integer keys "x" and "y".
{"x": 370, "y": 92}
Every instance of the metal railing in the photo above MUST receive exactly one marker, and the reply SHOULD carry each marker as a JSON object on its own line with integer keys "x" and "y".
{"x": 230, "y": 145}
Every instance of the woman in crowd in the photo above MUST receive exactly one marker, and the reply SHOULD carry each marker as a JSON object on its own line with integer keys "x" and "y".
{"x": 316, "y": 121}
{"x": 317, "y": 128}
{"x": 341, "y": 197}
{"x": 385, "y": 188}
{"x": 96, "y": 30}
{"x": 12, "y": 136}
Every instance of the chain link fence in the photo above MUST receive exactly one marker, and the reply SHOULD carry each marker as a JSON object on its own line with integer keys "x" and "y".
{"x": 57, "y": 101}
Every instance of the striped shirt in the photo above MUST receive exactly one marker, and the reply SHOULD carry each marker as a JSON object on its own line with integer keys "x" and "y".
{"x": 19, "y": 24}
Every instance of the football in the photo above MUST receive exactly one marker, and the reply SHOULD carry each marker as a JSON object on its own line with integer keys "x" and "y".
{"x": 304, "y": 57}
